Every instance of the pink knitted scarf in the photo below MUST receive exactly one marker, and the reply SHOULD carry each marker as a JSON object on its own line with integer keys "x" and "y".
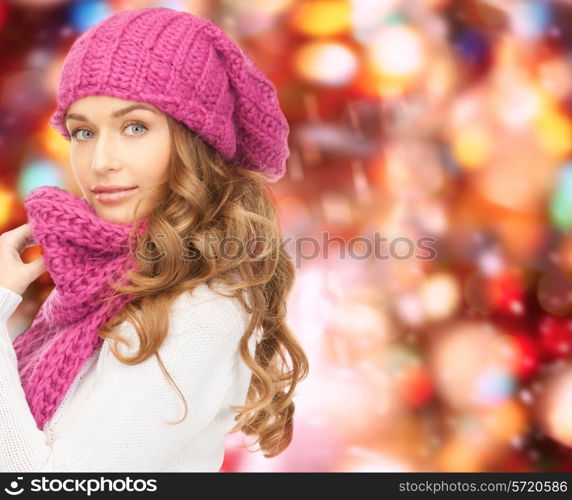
{"x": 81, "y": 252}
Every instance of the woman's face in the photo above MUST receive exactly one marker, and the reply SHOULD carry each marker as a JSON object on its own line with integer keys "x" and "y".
{"x": 112, "y": 145}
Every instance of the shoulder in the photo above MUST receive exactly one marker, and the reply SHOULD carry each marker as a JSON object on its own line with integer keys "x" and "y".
{"x": 199, "y": 316}
{"x": 203, "y": 306}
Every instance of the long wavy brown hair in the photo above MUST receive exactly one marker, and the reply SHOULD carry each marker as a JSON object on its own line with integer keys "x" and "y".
{"x": 205, "y": 200}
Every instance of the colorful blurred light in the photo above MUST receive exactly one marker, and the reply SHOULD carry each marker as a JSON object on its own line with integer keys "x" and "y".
{"x": 294, "y": 214}
{"x": 561, "y": 202}
{"x": 494, "y": 386}
{"x": 326, "y": 63}
{"x": 87, "y": 13}
{"x": 530, "y": 19}
{"x": 528, "y": 355}
{"x": 506, "y": 421}
{"x": 452, "y": 455}
{"x": 396, "y": 53}
{"x": 171, "y": 4}
{"x": 554, "y": 292}
{"x": 564, "y": 253}
{"x": 555, "y": 337}
{"x": 53, "y": 144}
{"x": 361, "y": 460}
{"x": 505, "y": 290}
{"x": 367, "y": 14}
{"x": 22, "y": 92}
{"x": 416, "y": 387}
{"x": 322, "y": 17}
{"x": 38, "y": 173}
{"x": 342, "y": 394}
{"x": 250, "y": 17}
{"x": 471, "y": 146}
{"x": 554, "y": 131}
{"x": 555, "y": 406}
{"x": 363, "y": 324}
{"x": 7, "y": 199}
{"x": 410, "y": 309}
{"x": 253, "y": 6}
{"x": 440, "y": 296}
{"x": 555, "y": 77}
{"x": 517, "y": 104}
{"x": 467, "y": 358}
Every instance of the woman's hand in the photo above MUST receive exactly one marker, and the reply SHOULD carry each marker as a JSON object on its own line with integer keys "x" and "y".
{"x": 15, "y": 274}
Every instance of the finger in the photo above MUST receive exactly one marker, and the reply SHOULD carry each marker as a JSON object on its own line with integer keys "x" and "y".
{"x": 20, "y": 237}
{"x": 30, "y": 238}
{"x": 36, "y": 268}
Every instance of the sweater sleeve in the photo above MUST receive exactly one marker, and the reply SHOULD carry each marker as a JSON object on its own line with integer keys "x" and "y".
{"x": 123, "y": 426}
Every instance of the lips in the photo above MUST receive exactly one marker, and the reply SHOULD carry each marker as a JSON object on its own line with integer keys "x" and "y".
{"x": 114, "y": 196}
{"x": 111, "y": 189}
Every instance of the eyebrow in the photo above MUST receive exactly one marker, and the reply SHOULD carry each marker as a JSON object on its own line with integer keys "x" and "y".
{"x": 115, "y": 114}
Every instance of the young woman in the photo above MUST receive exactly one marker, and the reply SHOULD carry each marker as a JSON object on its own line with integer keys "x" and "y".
{"x": 166, "y": 328}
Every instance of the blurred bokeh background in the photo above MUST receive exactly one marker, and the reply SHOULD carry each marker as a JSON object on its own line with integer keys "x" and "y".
{"x": 428, "y": 200}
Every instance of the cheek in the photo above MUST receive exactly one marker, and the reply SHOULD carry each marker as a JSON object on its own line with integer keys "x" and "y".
{"x": 152, "y": 164}
{"x": 162, "y": 173}
{"x": 149, "y": 177}
{"x": 80, "y": 173}
{"x": 79, "y": 161}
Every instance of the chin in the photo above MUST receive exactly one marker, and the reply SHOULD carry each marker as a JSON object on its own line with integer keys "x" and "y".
{"x": 116, "y": 216}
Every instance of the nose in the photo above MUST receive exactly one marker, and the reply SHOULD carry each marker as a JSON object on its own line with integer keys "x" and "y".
{"x": 104, "y": 154}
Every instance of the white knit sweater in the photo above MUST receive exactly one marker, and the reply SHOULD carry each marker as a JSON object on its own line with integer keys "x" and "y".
{"x": 114, "y": 416}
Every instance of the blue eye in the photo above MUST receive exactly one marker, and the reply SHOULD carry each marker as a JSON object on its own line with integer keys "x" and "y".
{"x": 77, "y": 130}
{"x": 137, "y": 124}
{"x": 75, "y": 133}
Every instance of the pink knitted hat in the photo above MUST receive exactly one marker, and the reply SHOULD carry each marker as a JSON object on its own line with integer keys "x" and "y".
{"x": 187, "y": 67}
